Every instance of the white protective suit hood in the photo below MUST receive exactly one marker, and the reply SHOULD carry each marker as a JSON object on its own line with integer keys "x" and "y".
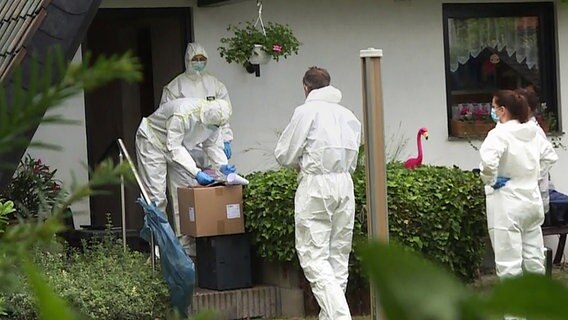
{"x": 216, "y": 113}
{"x": 192, "y": 50}
{"x": 522, "y": 131}
{"x": 327, "y": 94}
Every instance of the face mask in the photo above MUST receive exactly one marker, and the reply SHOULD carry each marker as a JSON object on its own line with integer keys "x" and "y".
{"x": 198, "y": 65}
{"x": 494, "y": 115}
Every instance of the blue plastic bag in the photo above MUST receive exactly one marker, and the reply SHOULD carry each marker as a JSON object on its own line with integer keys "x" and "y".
{"x": 177, "y": 268}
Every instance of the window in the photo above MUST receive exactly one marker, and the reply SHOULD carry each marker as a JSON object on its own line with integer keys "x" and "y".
{"x": 498, "y": 46}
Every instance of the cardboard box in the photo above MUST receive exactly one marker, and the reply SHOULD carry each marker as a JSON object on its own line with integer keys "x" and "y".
{"x": 211, "y": 211}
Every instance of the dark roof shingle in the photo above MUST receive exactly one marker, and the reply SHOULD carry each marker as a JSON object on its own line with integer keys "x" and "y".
{"x": 18, "y": 21}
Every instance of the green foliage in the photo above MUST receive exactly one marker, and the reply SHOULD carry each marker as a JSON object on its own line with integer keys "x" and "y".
{"x": 278, "y": 42}
{"x": 405, "y": 281}
{"x": 24, "y": 113}
{"x": 6, "y": 208}
{"x": 32, "y": 187}
{"x": 103, "y": 282}
{"x": 50, "y": 306}
{"x": 438, "y": 211}
{"x": 269, "y": 210}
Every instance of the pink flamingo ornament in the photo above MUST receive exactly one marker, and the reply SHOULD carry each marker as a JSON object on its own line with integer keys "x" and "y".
{"x": 412, "y": 163}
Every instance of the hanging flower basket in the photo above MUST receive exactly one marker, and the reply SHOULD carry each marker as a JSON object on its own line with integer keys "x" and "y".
{"x": 258, "y": 55}
{"x": 250, "y": 45}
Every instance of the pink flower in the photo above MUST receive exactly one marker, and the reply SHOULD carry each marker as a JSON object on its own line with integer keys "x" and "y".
{"x": 277, "y": 48}
{"x": 480, "y": 114}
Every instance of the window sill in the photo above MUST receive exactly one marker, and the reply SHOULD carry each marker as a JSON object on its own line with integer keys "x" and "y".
{"x": 482, "y": 137}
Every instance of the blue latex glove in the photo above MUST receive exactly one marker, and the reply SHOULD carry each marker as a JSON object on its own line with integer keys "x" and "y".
{"x": 203, "y": 178}
{"x": 501, "y": 181}
{"x": 227, "y": 149}
{"x": 227, "y": 168}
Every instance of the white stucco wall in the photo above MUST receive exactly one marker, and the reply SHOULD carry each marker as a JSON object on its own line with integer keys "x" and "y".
{"x": 332, "y": 32}
{"x": 411, "y": 36}
{"x": 71, "y": 160}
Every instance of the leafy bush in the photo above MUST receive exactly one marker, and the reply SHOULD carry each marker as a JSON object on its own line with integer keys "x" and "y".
{"x": 438, "y": 211}
{"x": 269, "y": 210}
{"x": 102, "y": 282}
{"x": 6, "y": 208}
{"x": 32, "y": 187}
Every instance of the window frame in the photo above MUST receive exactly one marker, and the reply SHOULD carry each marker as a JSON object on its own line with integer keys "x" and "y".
{"x": 547, "y": 45}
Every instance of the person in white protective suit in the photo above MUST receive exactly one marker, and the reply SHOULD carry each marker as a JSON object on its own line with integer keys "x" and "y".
{"x": 513, "y": 157}
{"x": 543, "y": 182}
{"x": 195, "y": 82}
{"x": 163, "y": 140}
{"x": 322, "y": 140}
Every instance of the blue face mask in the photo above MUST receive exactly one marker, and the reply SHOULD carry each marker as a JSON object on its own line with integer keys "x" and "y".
{"x": 494, "y": 115}
{"x": 198, "y": 65}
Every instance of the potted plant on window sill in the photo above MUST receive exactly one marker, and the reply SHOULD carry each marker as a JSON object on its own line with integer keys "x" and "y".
{"x": 251, "y": 46}
{"x": 476, "y": 123}
{"x": 546, "y": 120}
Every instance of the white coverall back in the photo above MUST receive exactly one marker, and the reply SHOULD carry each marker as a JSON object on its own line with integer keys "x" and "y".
{"x": 164, "y": 138}
{"x": 323, "y": 140}
{"x": 515, "y": 211}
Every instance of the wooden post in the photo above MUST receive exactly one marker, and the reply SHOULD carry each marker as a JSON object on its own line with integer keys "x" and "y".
{"x": 374, "y": 144}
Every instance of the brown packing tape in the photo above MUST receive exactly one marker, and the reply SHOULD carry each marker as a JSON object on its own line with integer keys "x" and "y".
{"x": 218, "y": 191}
{"x": 221, "y": 226}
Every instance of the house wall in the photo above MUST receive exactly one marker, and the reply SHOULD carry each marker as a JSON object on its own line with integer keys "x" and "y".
{"x": 411, "y": 36}
{"x": 332, "y": 32}
{"x": 71, "y": 160}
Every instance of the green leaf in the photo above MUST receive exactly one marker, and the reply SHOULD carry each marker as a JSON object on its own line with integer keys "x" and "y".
{"x": 411, "y": 288}
{"x": 50, "y": 305}
{"x": 532, "y": 296}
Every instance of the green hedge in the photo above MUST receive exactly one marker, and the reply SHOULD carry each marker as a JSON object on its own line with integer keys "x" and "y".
{"x": 439, "y": 211}
{"x": 101, "y": 283}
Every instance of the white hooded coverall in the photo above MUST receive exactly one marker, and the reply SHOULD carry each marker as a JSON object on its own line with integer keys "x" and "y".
{"x": 322, "y": 140}
{"x": 164, "y": 138}
{"x": 193, "y": 84}
{"x": 515, "y": 211}
{"x": 543, "y": 183}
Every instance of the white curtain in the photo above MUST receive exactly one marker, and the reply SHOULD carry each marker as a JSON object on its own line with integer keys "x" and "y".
{"x": 468, "y": 37}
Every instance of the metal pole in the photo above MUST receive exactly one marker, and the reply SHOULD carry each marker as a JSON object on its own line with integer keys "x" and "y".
{"x": 122, "y": 204}
{"x": 144, "y": 195}
{"x": 376, "y": 176}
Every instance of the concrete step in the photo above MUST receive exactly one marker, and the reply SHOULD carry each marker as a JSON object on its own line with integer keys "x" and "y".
{"x": 259, "y": 302}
